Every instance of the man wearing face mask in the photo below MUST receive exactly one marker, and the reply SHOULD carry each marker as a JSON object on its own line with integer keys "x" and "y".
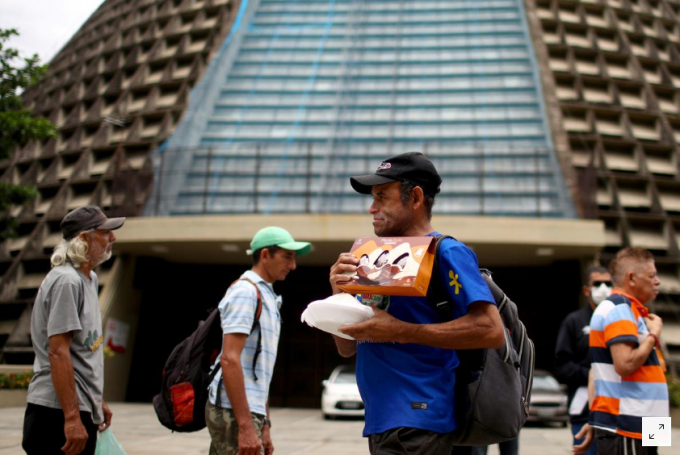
{"x": 572, "y": 363}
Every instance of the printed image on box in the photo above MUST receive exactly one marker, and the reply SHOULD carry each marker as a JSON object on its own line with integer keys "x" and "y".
{"x": 380, "y": 301}
{"x": 392, "y": 265}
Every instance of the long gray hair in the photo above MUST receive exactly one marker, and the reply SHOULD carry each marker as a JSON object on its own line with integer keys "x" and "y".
{"x": 74, "y": 251}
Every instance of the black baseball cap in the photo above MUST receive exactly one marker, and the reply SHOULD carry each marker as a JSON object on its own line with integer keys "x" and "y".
{"x": 86, "y": 218}
{"x": 412, "y": 167}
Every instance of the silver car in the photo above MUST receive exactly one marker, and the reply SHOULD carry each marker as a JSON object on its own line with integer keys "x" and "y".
{"x": 340, "y": 396}
{"x": 548, "y": 400}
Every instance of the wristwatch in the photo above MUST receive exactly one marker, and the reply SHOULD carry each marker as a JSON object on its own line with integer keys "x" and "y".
{"x": 267, "y": 422}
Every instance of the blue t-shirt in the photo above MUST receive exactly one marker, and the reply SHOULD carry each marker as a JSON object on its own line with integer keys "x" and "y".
{"x": 411, "y": 385}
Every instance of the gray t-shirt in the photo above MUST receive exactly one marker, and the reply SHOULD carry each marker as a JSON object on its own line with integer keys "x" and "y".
{"x": 68, "y": 301}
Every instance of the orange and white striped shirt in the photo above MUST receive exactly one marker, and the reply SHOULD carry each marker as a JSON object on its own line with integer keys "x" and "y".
{"x": 621, "y": 402}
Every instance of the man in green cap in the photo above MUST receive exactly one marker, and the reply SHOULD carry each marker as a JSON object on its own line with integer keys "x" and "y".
{"x": 237, "y": 412}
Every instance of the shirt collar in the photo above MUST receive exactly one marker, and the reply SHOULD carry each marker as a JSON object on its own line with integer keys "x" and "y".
{"x": 635, "y": 303}
{"x": 80, "y": 272}
{"x": 253, "y": 276}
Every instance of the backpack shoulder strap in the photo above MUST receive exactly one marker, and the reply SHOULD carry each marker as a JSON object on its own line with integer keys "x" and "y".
{"x": 436, "y": 293}
{"x": 256, "y": 322}
{"x": 439, "y": 298}
{"x": 258, "y": 309}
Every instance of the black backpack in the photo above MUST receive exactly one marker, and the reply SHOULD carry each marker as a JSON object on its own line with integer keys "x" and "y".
{"x": 180, "y": 406}
{"x": 493, "y": 386}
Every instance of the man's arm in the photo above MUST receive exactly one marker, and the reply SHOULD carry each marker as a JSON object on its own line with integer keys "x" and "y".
{"x": 568, "y": 369}
{"x": 345, "y": 264}
{"x": 234, "y": 384}
{"x": 480, "y": 328}
{"x": 107, "y": 417}
{"x": 591, "y": 389}
{"x": 346, "y": 348}
{"x": 267, "y": 437}
{"x": 587, "y": 432}
{"x": 627, "y": 357}
{"x": 64, "y": 382}
{"x": 341, "y": 271}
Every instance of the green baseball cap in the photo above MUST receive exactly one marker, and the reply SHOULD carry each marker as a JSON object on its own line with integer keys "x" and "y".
{"x": 276, "y": 236}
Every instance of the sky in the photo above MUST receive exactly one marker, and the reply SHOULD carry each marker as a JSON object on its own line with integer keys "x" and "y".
{"x": 44, "y": 25}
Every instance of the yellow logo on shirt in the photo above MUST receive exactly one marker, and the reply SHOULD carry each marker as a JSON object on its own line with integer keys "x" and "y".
{"x": 454, "y": 281}
{"x": 93, "y": 341}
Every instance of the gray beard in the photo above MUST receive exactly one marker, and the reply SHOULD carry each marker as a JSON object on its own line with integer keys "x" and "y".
{"x": 105, "y": 257}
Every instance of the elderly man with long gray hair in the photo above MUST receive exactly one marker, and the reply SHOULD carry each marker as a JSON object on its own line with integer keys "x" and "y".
{"x": 65, "y": 397}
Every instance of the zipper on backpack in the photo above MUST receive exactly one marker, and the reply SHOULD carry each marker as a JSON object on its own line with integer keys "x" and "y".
{"x": 505, "y": 299}
{"x": 530, "y": 379}
{"x": 521, "y": 343}
{"x": 508, "y": 346}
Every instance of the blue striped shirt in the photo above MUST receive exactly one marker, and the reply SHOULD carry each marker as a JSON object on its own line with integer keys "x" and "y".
{"x": 237, "y": 310}
{"x": 620, "y": 403}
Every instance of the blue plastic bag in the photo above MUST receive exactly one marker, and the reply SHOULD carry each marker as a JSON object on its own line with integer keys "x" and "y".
{"x": 107, "y": 444}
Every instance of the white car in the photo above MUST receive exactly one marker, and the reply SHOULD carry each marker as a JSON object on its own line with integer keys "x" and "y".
{"x": 340, "y": 396}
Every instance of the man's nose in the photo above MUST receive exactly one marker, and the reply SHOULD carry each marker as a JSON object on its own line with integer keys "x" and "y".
{"x": 293, "y": 264}
{"x": 372, "y": 208}
{"x": 112, "y": 237}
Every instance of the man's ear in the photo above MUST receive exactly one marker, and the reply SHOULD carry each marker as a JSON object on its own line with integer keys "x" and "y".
{"x": 418, "y": 196}
{"x": 586, "y": 291}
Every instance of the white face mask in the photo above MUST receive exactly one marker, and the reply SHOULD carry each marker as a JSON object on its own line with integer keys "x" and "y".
{"x": 600, "y": 293}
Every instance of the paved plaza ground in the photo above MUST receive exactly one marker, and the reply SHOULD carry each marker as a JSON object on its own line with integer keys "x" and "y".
{"x": 294, "y": 432}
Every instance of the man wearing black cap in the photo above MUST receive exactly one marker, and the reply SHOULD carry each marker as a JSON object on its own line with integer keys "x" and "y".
{"x": 406, "y": 355}
{"x": 65, "y": 397}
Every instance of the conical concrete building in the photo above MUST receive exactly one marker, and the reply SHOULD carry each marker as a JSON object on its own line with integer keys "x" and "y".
{"x": 115, "y": 92}
{"x": 554, "y": 124}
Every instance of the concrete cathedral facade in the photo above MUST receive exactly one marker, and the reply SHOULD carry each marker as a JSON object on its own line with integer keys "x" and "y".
{"x": 555, "y": 125}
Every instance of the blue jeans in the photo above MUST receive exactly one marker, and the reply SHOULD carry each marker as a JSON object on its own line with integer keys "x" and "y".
{"x": 575, "y": 428}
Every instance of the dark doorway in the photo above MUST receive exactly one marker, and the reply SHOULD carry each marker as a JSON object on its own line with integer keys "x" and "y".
{"x": 544, "y": 296}
{"x": 176, "y": 296}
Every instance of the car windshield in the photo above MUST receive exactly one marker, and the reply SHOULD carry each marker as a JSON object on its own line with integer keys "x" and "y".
{"x": 546, "y": 383}
{"x": 346, "y": 377}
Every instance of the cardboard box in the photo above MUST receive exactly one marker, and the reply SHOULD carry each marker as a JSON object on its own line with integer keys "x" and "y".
{"x": 392, "y": 266}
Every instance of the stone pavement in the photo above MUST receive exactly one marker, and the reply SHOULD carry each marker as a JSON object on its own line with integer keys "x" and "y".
{"x": 294, "y": 432}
